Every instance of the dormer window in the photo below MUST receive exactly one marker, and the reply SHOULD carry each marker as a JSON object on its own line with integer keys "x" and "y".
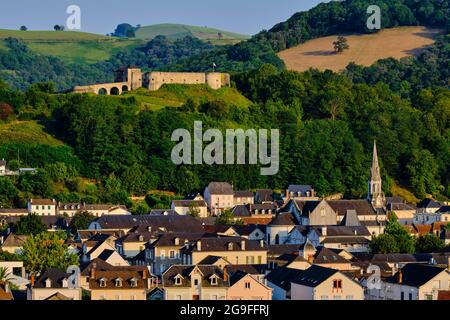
{"x": 65, "y": 283}
{"x": 230, "y": 246}
{"x": 102, "y": 282}
{"x": 178, "y": 280}
{"x": 118, "y": 282}
{"x": 214, "y": 280}
{"x": 133, "y": 283}
{"x": 48, "y": 283}
{"x": 141, "y": 238}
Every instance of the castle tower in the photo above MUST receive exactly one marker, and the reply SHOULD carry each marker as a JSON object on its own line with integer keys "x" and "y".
{"x": 375, "y": 194}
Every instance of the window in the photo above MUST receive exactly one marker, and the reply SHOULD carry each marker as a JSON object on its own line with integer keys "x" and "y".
{"x": 322, "y": 212}
{"x": 349, "y": 297}
{"x": 102, "y": 283}
{"x": 133, "y": 283}
{"x": 323, "y": 297}
{"x": 402, "y": 296}
{"x": 172, "y": 254}
{"x": 247, "y": 285}
{"x": 163, "y": 254}
{"x": 410, "y": 296}
{"x": 337, "y": 285}
{"x": 195, "y": 282}
{"x": 214, "y": 281}
{"x": 178, "y": 280}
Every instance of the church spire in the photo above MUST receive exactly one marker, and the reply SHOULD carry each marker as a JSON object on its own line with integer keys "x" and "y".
{"x": 375, "y": 194}
{"x": 375, "y": 168}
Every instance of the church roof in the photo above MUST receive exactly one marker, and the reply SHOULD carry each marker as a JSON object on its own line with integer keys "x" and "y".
{"x": 375, "y": 168}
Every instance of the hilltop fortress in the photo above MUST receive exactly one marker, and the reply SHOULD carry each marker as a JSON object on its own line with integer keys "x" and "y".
{"x": 132, "y": 78}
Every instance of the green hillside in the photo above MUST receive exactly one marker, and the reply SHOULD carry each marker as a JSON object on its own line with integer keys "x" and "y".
{"x": 175, "y": 95}
{"x": 176, "y": 31}
{"x": 70, "y": 46}
{"x": 26, "y": 132}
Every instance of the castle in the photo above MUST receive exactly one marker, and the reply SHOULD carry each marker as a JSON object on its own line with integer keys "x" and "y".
{"x": 132, "y": 78}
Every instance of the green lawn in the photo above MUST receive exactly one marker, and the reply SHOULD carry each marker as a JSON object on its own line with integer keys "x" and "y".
{"x": 176, "y": 31}
{"x": 175, "y": 95}
{"x": 71, "y": 46}
{"x": 29, "y": 132}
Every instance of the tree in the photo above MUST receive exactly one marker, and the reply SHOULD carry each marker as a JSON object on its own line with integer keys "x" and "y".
{"x": 428, "y": 243}
{"x": 81, "y": 220}
{"x": 58, "y": 27}
{"x": 5, "y": 111}
{"x": 125, "y": 30}
{"x": 194, "y": 211}
{"x": 46, "y": 250}
{"x": 226, "y": 218}
{"x": 5, "y": 276}
{"x": 404, "y": 240}
{"x": 384, "y": 243}
{"x": 23, "y": 28}
{"x": 30, "y": 225}
{"x": 341, "y": 44}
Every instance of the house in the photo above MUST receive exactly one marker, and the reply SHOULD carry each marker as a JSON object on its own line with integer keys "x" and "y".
{"x": 43, "y": 207}
{"x": 219, "y": 196}
{"x": 244, "y": 286}
{"x": 13, "y": 212}
{"x": 51, "y": 282}
{"x": 134, "y": 242}
{"x": 444, "y": 214}
{"x": 257, "y": 271}
{"x": 251, "y": 231}
{"x": 119, "y": 284}
{"x": 413, "y": 282}
{"x": 264, "y": 196}
{"x": 163, "y": 212}
{"x": 325, "y": 257}
{"x": 195, "y": 282}
{"x": 254, "y": 213}
{"x": 351, "y": 239}
{"x": 16, "y": 272}
{"x": 404, "y": 212}
{"x": 243, "y": 198}
{"x": 277, "y": 231}
{"x": 319, "y": 283}
{"x": 13, "y": 243}
{"x": 236, "y": 250}
{"x": 279, "y": 280}
{"x": 312, "y": 213}
{"x": 97, "y": 210}
{"x": 156, "y": 294}
{"x": 104, "y": 249}
{"x": 428, "y": 206}
{"x": 151, "y": 223}
{"x": 300, "y": 192}
{"x": 183, "y": 207}
{"x": 166, "y": 250}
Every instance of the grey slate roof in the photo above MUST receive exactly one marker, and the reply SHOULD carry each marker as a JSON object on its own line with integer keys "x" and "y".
{"x": 206, "y": 270}
{"x": 284, "y": 219}
{"x": 362, "y": 207}
{"x": 416, "y": 275}
{"x": 314, "y": 276}
{"x": 243, "y": 194}
{"x": 282, "y": 277}
{"x": 429, "y": 203}
{"x": 56, "y": 277}
{"x": 350, "y": 219}
{"x": 299, "y": 188}
{"x": 220, "y": 188}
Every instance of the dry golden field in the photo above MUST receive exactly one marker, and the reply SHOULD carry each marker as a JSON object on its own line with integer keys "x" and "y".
{"x": 364, "y": 49}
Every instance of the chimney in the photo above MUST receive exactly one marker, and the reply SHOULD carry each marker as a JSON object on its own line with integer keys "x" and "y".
{"x": 225, "y": 274}
{"x": 177, "y": 241}
{"x": 32, "y": 280}
{"x": 199, "y": 245}
{"x": 400, "y": 277}
{"x": 261, "y": 243}
{"x": 242, "y": 245}
{"x": 149, "y": 228}
{"x": 355, "y": 232}
{"x": 287, "y": 194}
{"x": 324, "y": 231}
{"x": 94, "y": 266}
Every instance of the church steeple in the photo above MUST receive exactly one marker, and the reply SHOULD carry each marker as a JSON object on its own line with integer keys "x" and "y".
{"x": 375, "y": 194}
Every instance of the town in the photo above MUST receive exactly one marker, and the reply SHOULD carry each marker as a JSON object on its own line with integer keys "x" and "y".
{"x": 227, "y": 244}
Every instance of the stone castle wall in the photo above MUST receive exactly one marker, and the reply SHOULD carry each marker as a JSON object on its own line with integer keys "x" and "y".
{"x": 133, "y": 78}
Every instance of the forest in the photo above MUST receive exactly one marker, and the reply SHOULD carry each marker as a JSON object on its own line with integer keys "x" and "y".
{"x": 112, "y": 148}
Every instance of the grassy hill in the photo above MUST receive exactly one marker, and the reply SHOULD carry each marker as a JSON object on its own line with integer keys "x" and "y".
{"x": 175, "y": 95}
{"x": 70, "y": 46}
{"x": 364, "y": 49}
{"x": 29, "y": 132}
{"x": 176, "y": 31}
